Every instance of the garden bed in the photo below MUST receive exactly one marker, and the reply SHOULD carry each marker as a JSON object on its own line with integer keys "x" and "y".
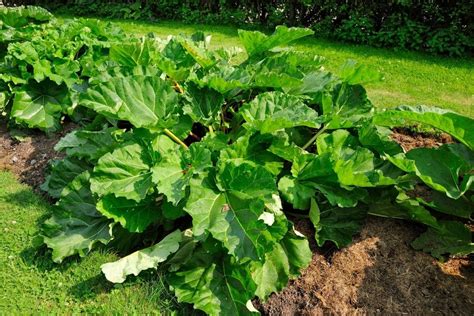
{"x": 378, "y": 273}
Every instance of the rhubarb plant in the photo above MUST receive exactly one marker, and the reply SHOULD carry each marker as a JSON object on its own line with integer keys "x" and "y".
{"x": 197, "y": 165}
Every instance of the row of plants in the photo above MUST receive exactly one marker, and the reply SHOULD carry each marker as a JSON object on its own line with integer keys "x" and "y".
{"x": 193, "y": 163}
{"x": 439, "y": 27}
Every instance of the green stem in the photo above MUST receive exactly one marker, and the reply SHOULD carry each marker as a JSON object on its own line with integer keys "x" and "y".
{"x": 175, "y": 138}
{"x": 311, "y": 141}
{"x": 211, "y": 130}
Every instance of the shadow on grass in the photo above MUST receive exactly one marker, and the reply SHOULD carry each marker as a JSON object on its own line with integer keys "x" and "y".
{"x": 91, "y": 288}
{"x": 86, "y": 283}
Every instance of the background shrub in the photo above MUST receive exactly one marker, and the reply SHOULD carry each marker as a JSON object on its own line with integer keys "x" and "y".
{"x": 435, "y": 26}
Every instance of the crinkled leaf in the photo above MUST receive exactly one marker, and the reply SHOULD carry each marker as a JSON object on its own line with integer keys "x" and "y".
{"x": 142, "y": 100}
{"x": 439, "y": 168}
{"x": 345, "y": 106}
{"x": 90, "y": 145}
{"x": 354, "y": 165}
{"x": 265, "y": 78}
{"x": 132, "y": 54}
{"x": 125, "y": 172}
{"x": 450, "y": 238}
{"x": 20, "y": 16}
{"x": 296, "y": 193}
{"x": 254, "y": 147}
{"x": 314, "y": 82}
{"x": 199, "y": 54}
{"x": 174, "y": 170}
{"x": 281, "y": 264}
{"x": 76, "y": 226}
{"x": 133, "y": 216}
{"x": 256, "y": 42}
{"x": 234, "y": 213}
{"x": 245, "y": 179}
{"x": 143, "y": 259}
{"x": 336, "y": 224}
{"x": 354, "y": 73}
{"x": 204, "y": 104}
{"x": 272, "y": 111}
{"x": 62, "y": 173}
{"x": 40, "y": 105}
{"x": 214, "y": 285}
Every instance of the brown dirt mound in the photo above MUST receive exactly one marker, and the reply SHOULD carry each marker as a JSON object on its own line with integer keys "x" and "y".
{"x": 28, "y": 158}
{"x": 378, "y": 273}
{"x": 409, "y": 139}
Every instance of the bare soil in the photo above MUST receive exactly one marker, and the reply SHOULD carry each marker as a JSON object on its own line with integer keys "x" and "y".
{"x": 29, "y": 158}
{"x": 410, "y": 140}
{"x": 378, "y": 273}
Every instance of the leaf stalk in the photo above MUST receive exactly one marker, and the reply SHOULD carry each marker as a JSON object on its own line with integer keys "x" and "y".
{"x": 175, "y": 138}
{"x": 313, "y": 139}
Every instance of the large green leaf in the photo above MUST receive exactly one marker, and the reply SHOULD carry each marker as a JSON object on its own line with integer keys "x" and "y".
{"x": 198, "y": 52}
{"x": 254, "y": 147}
{"x": 354, "y": 73}
{"x": 144, "y": 101}
{"x": 293, "y": 62}
{"x": 246, "y": 179}
{"x": 143, "y": 259}
{"x": 256, "y": 42}
{"x": 235, "y": 212}
{"x": 90, "y": 145}
{"x": 297, "y": 193}
{"x": 132, "y": 54}
{"x": 21, "y": 16}
{"x": 450, "y": 122}
{"x": 442, "y": 203}
{"x": 174, "y": 170}
{"x": 238, "y": 223}
{"x": 345, "y": 106}
{"x": 440, "y": 168}
{"x": 40, "y": 105}
{"x": 62, "y": 173}
{"x": 215, "y": 285}
{"x": 133, "y": 216}
{"x": 76, "y": 226}
{"x": 336, "y": 224}
{"x": 281, "y": 264}
{"x": 450, "y": 238}
{"x": 272, "y": 111}
{"x": 353, "y": 165}
{"x": 125, "y": 172}
{"x": 377, "y": 139}
{"x": 204, "y": 104}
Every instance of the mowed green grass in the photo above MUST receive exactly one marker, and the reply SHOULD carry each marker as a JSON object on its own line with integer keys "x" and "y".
{"x": 30, "y": 283}
{"x": 410, "y": 78}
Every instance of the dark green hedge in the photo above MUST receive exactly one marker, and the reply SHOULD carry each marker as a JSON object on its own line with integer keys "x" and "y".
{"x": 440, "y": 27}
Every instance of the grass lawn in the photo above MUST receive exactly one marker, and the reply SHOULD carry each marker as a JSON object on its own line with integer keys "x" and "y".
{"x": 30, "y": 283}
{"x": 410, "y": 78}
